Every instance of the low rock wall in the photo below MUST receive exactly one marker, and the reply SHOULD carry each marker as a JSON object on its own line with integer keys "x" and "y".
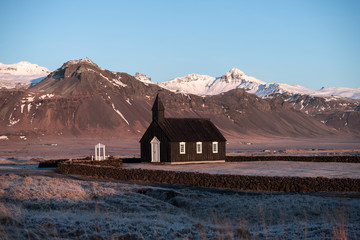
{"x": 225, "y": 181}
{"x": 107, "y": 162}
{"x": 348, "y": 159}
{"x": 51, "y": 163}
{"x": 55, "y": 163}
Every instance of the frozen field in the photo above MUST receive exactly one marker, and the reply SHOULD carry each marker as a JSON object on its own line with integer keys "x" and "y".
{"x": 40, "y": 204}
{"x": 268, "y": 168}
{"x": 65, "y": 147}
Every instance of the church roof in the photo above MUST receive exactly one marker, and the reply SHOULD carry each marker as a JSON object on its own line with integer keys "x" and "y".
{"x": 190, "y": 130}
{"x": 184, "y": 129}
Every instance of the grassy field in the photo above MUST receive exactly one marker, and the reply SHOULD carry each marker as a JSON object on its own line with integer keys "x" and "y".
{"x": 40, "y": 204}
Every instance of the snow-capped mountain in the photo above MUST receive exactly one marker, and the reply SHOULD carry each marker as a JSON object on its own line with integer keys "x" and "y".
{"x": 22, "y": 74}
{"x": 235, "y": 78}
{"x": 143, "y": 78}
{"x": 193, "y": 83}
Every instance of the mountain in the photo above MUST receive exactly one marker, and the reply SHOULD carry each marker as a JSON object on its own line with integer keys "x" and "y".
{"x": 21, "y": 74}
{"x": 335, "y": 107}
{"x": 206, "y": 85}
{"x": 82, "y": 99}
{"x": 235, "y": 78}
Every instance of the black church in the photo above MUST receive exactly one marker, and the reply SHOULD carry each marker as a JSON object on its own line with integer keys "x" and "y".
{"x": 181, "y": 140}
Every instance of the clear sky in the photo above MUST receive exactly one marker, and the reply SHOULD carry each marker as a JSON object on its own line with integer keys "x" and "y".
{"x": 312, "y": 43}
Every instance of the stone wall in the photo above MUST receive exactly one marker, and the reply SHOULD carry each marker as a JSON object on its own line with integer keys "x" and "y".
{"x": 348, "y": 159}
{"x": 236, "y": 182}
{"x": 55, "y": 163}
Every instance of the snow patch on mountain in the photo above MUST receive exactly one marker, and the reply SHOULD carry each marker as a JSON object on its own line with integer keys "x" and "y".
{"x": 21, "y": 74}
{"x": 116, "y": 82}
{"x": 13, "y": 120}
{"x": 206, "y": 85}
{"x": 120, "y": 114}
{"x": 46, "y": 96}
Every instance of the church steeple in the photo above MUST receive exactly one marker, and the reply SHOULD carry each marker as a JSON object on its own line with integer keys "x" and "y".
{"x": 158, "y": 110}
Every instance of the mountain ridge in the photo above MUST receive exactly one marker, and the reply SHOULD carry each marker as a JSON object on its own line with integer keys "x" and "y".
{"x": 82, "y": 99}
{"x": 236, "y": 78}
{"x": 25, "y": 74}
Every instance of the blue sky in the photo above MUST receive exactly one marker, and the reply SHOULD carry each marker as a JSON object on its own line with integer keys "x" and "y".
{"x": 310, "y": 43}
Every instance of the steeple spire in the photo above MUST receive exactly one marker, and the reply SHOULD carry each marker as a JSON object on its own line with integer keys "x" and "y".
{"x": 158, "y": 110}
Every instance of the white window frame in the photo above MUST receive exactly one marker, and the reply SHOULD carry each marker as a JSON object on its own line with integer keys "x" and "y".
{"x": 199, "y": 147}
{"x": 182, "y": 146}
{"x": 215, "y": 149}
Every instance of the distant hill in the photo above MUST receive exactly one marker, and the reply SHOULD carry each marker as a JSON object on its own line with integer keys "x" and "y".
{"x": 82, "y": 99}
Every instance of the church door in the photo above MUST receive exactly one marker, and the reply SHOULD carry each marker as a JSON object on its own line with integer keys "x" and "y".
{"x": 155, "y": 150}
